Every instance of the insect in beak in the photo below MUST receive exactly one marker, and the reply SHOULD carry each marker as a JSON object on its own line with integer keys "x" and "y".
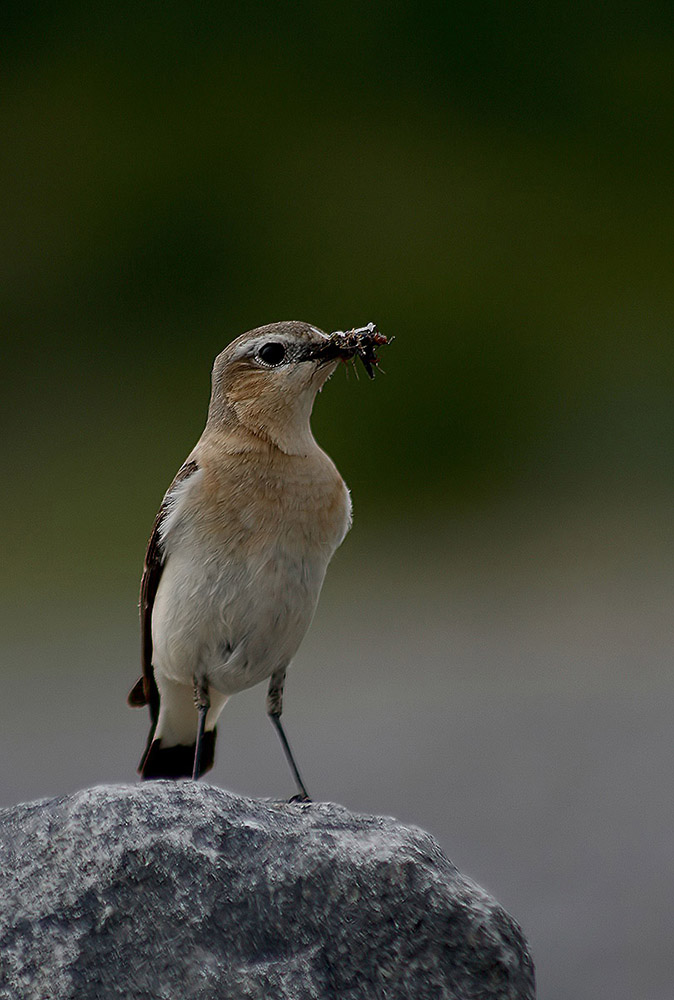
{"x": 361, "y": 342}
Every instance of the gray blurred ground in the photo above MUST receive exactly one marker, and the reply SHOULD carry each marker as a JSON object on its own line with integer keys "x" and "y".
{"x": 505, "y": 683}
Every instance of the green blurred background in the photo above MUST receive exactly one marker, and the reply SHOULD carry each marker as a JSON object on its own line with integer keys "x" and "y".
{"x": 491, "y": 183}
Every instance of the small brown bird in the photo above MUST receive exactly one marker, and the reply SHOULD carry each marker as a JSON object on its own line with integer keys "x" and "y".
{"x": 241, "y": 543}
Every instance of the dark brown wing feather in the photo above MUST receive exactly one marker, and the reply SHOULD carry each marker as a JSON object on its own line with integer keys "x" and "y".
{"x": 137, "y": 697}
{"x": 144, "y": 691}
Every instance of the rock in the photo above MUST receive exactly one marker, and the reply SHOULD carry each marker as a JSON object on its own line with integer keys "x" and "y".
{"x": 179, "y": 890}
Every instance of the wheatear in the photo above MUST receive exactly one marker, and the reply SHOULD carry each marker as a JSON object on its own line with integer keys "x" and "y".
{"x": 241, "y": 543}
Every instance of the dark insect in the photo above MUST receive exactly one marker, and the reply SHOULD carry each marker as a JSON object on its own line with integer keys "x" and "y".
{"x": 361, "y": 342}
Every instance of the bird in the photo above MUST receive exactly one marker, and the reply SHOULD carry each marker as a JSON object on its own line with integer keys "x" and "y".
{"x": 240, "y": 546}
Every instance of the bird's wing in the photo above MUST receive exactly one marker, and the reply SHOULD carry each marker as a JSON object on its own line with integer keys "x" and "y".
{"x": 144, "y": 691}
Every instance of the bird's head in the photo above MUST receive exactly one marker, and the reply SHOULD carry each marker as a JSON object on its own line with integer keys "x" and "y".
{"x": 267, "y": 380}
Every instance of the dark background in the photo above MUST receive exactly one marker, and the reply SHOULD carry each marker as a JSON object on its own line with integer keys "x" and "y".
{"x": 489, "y": 182}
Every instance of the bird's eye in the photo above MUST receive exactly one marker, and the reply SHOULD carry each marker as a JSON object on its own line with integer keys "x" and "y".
{"x": 272, "y": 354}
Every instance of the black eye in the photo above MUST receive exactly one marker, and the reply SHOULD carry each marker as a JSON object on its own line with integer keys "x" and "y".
{"x": 272, "y": 354}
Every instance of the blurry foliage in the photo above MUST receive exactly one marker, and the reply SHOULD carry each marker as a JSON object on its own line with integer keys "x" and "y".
{"x": 489, "y": 182}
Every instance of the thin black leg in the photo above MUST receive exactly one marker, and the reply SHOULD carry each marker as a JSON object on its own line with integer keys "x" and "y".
{"x": 203, "y": 703}
{"x": 274, "y": 709}
{"x": 303, "y": 795}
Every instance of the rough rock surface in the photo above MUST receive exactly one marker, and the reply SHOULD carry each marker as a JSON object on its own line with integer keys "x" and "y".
{"x": 181, "y": 890}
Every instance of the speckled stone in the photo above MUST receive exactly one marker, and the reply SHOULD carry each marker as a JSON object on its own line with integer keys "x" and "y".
{"x": 180, "y": 890}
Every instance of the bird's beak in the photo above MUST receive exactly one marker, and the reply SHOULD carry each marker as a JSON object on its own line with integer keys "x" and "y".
{"x": 329, "y": 350}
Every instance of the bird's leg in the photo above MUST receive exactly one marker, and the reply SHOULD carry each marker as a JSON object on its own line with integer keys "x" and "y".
{"x": 274, "y": 709}
{"x": 203, "y": 703}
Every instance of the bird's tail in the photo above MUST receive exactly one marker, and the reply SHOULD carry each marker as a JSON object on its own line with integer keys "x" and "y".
{"x": 177, "y": 761}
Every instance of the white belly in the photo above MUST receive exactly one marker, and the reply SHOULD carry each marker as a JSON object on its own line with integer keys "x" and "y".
{"x": 233, "y": 619}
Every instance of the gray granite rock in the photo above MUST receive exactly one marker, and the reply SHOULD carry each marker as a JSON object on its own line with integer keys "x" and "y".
{"x": 180, "y": 890}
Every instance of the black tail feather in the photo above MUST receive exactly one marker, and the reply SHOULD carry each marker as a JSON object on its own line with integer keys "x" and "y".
{"x": 177, "y": 761}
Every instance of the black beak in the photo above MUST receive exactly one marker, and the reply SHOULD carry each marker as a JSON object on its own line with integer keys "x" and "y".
{"x": 329, "y": 350}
